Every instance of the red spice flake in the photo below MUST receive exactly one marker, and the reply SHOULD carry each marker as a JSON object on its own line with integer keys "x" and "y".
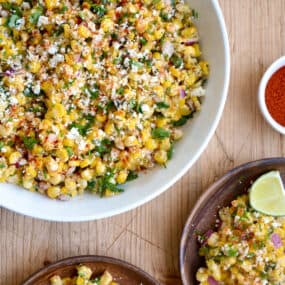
{"x": 275, "y": 96}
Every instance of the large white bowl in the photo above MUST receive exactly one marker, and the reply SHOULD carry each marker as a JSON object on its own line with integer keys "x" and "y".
{"x": 198, "y": 132}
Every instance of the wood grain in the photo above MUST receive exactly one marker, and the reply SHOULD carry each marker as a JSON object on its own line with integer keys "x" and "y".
{"x": 149, "y": 236}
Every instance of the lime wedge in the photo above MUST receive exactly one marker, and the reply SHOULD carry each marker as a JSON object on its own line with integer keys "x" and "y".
{"x": 267, "y": 194}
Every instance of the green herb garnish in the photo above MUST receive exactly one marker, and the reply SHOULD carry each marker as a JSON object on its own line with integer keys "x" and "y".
{"x": 160, "y": 133}
{"x": 29, "y": 142}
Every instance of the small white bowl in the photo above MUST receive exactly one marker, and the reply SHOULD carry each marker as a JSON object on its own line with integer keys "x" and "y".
{"x": 276, "y": 65}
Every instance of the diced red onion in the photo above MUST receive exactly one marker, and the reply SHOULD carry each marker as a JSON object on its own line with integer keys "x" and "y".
{"x": 191, "y": 42}
{"x": 182, "y": 93}
{"x": 276, "y": 240}
{"x": 212, "y": 281}
{"x": 64, "y": 197}
{"x": 52, "y": 138}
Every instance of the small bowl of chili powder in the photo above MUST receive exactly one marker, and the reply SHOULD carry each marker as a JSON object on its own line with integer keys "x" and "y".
{"x": 271, "y": 95}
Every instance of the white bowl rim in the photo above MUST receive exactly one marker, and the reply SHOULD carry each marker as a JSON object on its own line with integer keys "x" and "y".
{"x": 275, "y": 66}
{"x": 147, "y": 198}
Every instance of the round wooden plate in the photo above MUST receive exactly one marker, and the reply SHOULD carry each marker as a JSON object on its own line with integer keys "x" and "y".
{"x": 204, "y": 213}
{"x": 124, "y": 273}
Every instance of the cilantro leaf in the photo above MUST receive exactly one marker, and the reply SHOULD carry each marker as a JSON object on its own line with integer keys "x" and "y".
{"x": 160, "y": 133}
{"x": 132, "y": 176}
{"x": 162, "y": 105}
{"x": 34, "y": 18}
{"x": 29, "y": 142}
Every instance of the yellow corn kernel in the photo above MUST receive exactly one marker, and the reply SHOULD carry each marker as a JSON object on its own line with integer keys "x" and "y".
{"x": 66, "y": 30}
{"x": 167, "y": 84}
{"x": 79, "y": 281}
{"x": 68, "y": 142}
{"x": 84, "y": 271}
{"x": 175, "y": 72}
{"x": 190, "y": 79}
{"x": 122, "y": 176}
{"x": 51, "y": 4}
{"x": 84, "y": 32}
{"x": 51, "y": 164}
{"x": 87, "y": 174}
{"x": 55, "y": 280}
{"x": 100, "y": 168}
{"x": 14, "y": 157}
{"x": 177, "y": 134}
{"x": 158, "y": 34}
{"x": 156, "y": 55}
{"x": 28, "y": 183}
{"x": 109, "y": 193}
{"x": 62, "y": 154}
{"x": 202, "y": 275}
{"x": 53, "y": 192}
{"x": 84, "y": 163}
{"x": 165, "y": 144}
{"x": 47, "y": 87}
{"x": 101, "y": 118}
{"x": 205, "y": 67}
{"x": 75, "y": 45}
{"x": 158, "y": 90}
{"x": 31, "y": 171}
{"x": 37, "y": 150}
{"x": 56, "y": 112}
{"x": 184, "y": 110}
{"x": 131, "y": 141}
{"x": 74, "y": 163}
{"x": 56, "y": 179}
{"x": 107, "y": 25}
{"x": 70, "y": 184}
{"x": 109, "y": 128}
{"x": 189, "y": 32}
{"x": 106, "y": 278}
{"x": 161, "y": 122}
{"x": 197, "y": 50}
{"x": 160, "y": 156}
{"x": 35, "y": 66}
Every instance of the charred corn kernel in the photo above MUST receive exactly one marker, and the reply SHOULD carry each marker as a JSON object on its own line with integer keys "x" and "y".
{"x": 160, "y": 156}
{"x": 100, "y": 168}
{"x": 79, "y": 281}
{"x": 184, "y": 110}
{"x": 84, "y": 163}
{"x": 53, "y": 192}
{"x": 122, "y": 176}
{"x": 35, "y": 66}
{"x": 14, "y": 157}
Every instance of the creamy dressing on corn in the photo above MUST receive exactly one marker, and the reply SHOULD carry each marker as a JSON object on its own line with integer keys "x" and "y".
{"x": 98, "y": 90}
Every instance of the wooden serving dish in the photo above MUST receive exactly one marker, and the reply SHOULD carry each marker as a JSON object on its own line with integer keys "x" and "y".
{"x": 124, "y": 273}
{"x": 204, "y": 213}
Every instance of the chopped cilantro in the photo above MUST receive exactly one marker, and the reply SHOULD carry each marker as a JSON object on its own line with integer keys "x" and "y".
{"x": 132, "y": 176}
{"x": 29, "y": 142}
{"x": 132, "y": 103}
{"x": 160, "y": 133}
{"x": 182, "y": 121}
{"x": 91, "y": 185}
{"x": 104, "y": 147}
{"x": 195, "y": 14}
{"x": 13, "y": 21}
{"x": 232, "y": 252}
{"x": 28, "y": 92}
{"x": 1, "y": 145}
{"x": 170, "y": 152}
{"x": 69, "y": 151}
{"x": 99, "y": 10}
{"x": 2, "y": 165}
{"x": 92, "y": 91}
{"x": 63, "y": 9}
{"x": 143, "y": 41}
{"x": 120, "y": 90}
{"x": 176, "y": 60}
{"x": 162, "y": 105}
{"x": 107, "y": 183}
{"x": 165, "y": 16}
{"x": 34, "y": 17}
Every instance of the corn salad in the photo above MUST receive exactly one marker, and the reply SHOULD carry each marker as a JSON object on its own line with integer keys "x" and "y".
{"x": 92, "y": 92}
{"x": 84, "y": 277}
{"x": 247, "y": 249}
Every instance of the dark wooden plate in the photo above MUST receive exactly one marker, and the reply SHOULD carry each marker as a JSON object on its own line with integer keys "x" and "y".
{"x": 124, "y": 273}
{"x": 204, "y": 213}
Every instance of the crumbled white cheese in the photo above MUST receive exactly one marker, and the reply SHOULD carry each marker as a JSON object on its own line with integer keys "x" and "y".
{"x": 43, "y": 20}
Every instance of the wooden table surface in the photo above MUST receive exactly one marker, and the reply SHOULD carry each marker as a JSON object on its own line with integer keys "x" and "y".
{"x": 149, "y": 236}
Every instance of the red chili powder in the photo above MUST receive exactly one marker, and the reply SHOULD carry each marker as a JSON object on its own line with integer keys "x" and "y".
{"x": 275, "y": 96}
